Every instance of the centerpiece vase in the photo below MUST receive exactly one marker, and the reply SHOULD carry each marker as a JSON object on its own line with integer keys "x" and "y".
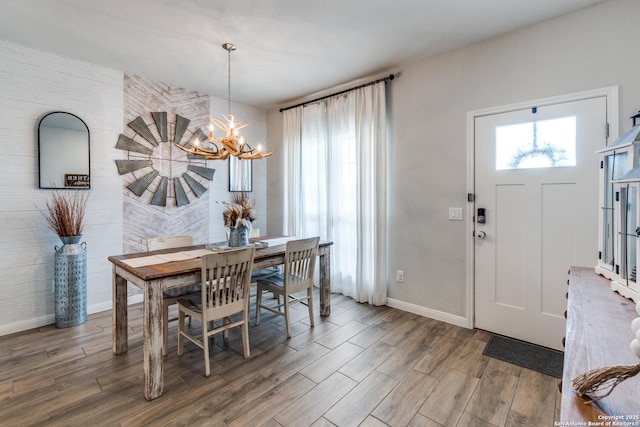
{"x": 71, "y": 282}
{"x": 238, "y": 236}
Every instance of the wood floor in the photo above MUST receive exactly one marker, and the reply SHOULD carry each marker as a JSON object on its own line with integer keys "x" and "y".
{"x": 363, "y": 365}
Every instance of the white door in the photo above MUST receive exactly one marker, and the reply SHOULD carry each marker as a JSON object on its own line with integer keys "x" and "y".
{"x": 536, "y": 177}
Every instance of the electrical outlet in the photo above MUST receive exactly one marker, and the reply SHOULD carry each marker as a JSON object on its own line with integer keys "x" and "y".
{"x": 400, "y": 276}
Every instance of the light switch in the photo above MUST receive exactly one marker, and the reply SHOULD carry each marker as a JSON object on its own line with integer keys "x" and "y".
{"x": 455, "y": 214}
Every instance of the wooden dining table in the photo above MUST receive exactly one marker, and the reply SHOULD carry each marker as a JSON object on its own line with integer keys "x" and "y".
{"x": 182, "y": 269}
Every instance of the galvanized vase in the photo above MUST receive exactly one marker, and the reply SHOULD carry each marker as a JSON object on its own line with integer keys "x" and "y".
{"x": 71, "y": 282}
{"x": 238, "y": 236}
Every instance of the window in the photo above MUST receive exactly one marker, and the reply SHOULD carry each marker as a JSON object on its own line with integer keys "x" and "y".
{"x": 537, "y": 144}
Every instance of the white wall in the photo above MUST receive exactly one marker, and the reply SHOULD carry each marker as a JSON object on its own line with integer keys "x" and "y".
{"x": 255, "y": 133}
{"x": 429, "y": 101}
{"x": 33, "y": 83}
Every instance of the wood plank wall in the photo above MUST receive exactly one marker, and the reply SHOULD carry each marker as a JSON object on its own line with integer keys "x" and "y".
{"x": 142, "y": 220}
{"x": 202, "y": 217}
{"x": 33, "y": 83}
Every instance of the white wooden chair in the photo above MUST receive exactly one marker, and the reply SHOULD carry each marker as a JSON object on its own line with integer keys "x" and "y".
{"x": 300, "y": 261}
{"x": 262, "y": 273}
{"x": 171, "y": 296}
{"x": 225, "y": 288}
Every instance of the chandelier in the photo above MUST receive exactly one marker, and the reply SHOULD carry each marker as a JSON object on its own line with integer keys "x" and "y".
{"x": 231, "y": 144}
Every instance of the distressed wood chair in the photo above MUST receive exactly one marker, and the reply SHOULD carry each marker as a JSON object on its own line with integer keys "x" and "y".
{"x": 300, "y": 261}
{"x": 225, "y": 288}
{"x": 171, "y": 296}
{"x": 263, "y": 272}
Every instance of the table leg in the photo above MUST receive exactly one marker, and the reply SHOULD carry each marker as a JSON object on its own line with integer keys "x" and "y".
{"x": 325, "y": 282}
{"x": 152, "y": 347}
{"x": 119, "y": 315}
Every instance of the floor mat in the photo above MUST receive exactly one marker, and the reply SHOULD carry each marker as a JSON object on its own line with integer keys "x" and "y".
{"x": 530, "y": 356}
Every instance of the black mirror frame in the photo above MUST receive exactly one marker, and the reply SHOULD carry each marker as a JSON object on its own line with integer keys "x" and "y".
{"x": 87, "y": 187}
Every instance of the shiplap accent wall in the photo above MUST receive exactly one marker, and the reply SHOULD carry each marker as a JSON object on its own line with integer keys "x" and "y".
{"x": 142, "y": 220}
{"x": 33, "y": 83}
{"x": 202, "y": 218}
{"x": 255, "y": 133}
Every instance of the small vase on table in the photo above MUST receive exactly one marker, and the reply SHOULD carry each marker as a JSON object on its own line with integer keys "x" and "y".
{"x": 238, "y": 236}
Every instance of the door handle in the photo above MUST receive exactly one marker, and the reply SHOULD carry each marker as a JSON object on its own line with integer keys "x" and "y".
{"x": 481, "y": 235}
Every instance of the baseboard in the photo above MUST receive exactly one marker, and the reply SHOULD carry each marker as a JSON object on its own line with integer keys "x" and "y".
{"x": 39, "y": 322}
{"x": 430, "y": 313}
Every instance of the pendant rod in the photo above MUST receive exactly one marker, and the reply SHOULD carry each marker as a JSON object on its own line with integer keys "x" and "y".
{"x": 229, "y": 47}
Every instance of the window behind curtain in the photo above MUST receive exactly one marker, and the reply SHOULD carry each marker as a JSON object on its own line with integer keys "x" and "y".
{"x": 325, "y": 176}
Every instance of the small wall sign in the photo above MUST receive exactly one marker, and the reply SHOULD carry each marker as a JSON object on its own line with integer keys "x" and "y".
{"x": 76, "y": 180}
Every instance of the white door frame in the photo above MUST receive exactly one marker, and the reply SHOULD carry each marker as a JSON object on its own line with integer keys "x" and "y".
{"x": 610, "y": 92}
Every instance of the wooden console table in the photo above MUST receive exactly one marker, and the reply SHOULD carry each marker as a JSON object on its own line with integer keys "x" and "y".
{"x": 598, "y": 335}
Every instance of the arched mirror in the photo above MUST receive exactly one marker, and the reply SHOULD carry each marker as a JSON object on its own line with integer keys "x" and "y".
{"x": 63, "y": 151}
{"x": 240, "y": 175}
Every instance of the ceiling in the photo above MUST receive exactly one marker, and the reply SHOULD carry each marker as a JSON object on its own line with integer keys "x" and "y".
{"x": 287, "y": 49}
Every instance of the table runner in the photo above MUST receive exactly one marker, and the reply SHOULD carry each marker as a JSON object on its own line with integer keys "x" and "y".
{"x": 169, "y": 257}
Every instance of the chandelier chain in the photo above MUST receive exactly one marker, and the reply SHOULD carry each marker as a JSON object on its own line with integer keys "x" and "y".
{"x": 231, "y": 144}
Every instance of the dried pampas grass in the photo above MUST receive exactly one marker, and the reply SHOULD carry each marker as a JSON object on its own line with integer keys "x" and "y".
{"x": 603, "y": 378}
{"x": 239, "y": 212}
{"x": 65, "y": 213}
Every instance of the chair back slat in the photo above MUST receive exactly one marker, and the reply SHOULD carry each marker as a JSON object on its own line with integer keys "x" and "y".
{"x": 226, "y": 277}
{"x": 300, "y": 260}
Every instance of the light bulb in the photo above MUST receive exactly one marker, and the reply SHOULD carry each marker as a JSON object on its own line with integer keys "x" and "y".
{"x": 196, "y": 142}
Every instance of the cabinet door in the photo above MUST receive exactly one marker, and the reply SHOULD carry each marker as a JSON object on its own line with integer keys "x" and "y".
{"x": 614, "y": 166}
{"x": 628, "y": 234}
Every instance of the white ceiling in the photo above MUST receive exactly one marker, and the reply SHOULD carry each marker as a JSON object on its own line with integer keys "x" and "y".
{"x": 287, "y": 49}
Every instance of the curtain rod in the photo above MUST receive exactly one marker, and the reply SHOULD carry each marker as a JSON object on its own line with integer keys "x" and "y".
{"x": 302, "y": 104}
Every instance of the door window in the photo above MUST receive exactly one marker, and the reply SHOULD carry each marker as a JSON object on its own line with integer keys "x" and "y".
{"x": 536, "y": 144}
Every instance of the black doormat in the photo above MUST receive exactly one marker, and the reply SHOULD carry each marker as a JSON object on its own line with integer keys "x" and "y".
{"x": 530, "y": 356}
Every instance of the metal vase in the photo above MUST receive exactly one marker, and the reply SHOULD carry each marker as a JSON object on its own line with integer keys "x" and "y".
{"x": 238, "y": 236}
{"x": 71, "y": 282}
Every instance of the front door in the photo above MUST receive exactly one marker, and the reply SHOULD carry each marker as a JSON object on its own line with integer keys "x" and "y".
{"x": 536, "y": 182}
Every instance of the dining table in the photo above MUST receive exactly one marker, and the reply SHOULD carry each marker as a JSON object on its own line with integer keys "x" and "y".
{"x": 157, "y": 271}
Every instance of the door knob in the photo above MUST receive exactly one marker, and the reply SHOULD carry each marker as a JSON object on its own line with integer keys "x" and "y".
{"x": 481, "y": 235}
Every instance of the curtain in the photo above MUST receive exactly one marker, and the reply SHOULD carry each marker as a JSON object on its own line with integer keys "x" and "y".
{"x": 336, "y": 187}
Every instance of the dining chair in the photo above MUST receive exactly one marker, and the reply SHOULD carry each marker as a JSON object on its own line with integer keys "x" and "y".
{"x": 299, "y": 265}
{"x": 225, "y": 289}
{"x": 261, "y": 273}
{"x": 171, "y": 296}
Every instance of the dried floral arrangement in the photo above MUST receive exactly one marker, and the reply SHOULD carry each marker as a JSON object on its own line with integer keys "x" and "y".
{"x": 238, "y": 212}
{"x": 65, "y": 213}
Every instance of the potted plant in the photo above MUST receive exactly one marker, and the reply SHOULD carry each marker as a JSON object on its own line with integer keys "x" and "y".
{"x": 239, "y": 217}
{"x": 65, "y": 215}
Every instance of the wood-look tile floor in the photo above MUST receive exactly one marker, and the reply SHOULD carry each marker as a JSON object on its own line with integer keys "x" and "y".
{"x": 363, "y": 365}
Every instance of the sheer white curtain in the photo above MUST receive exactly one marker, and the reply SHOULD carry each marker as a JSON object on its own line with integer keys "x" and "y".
{"x": 337, "y": 186}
